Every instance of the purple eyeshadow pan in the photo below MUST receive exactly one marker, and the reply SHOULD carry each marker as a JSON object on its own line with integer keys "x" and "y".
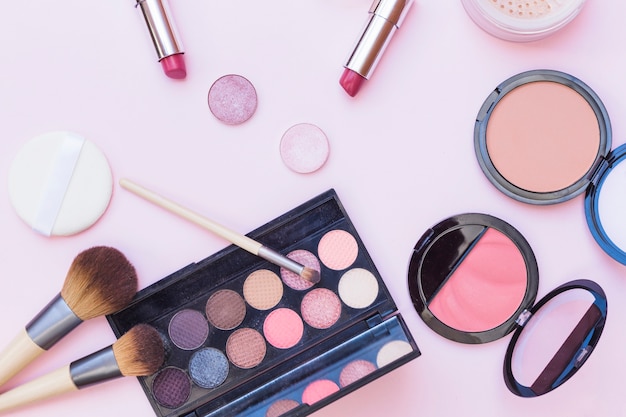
{"x": 293, "y": 280}
{"x": 232, "y": 99}
{"x": 188, "y": 329}
{"x": 171, "y": 387}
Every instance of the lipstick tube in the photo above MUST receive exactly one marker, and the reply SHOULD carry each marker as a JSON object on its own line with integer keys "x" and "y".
{"x": 164, "y": 37}
{"x": 385, "y": 17}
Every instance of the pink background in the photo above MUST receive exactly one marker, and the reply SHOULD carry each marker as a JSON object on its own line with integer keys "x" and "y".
{"x": 401, "y": 160}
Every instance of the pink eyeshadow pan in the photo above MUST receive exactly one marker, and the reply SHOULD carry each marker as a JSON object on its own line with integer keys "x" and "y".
{"x": 293, "y": 280}
{"x": 543, "y": 136}
{"x": 318, "y": 390}
{"x": 486, "y": 288}
{"x": 304, "y": 148}
{"x": 321, "y": 308}
{"x": 283, "y": 328}
{"x": 280, "y": 407}
{"x": 354, "y": 371}
{"x": 338, "y": 249}
{"x": 232, "y": 99}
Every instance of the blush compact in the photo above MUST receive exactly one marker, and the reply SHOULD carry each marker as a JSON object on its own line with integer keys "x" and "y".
{"x": 473, "y": 278}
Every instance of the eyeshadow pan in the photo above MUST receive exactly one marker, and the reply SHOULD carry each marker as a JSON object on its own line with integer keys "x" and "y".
{"x": 225, "y": 309}
{"x": 188, "y": 329}
{"x": 338, "y": 249}
{"x": 358, "y": 288}
{"x": 245, "y": 348}
{"x": 263, "y": 289}
{"x": 280, "y": 407}
{"x": 320, "y": 308}
{"x": 283, "y": 328}
{"x": 392, "y": 351}
{"x": 354, "y": 371}
{"x": 486, "y": 288}
{"x": 543, "y": 136}
{"x": 318, "y": 390}
{"x": 293, "y": 280}
{"x": 232, "y": 99}
{"x": 304, "y": 148}
{"x": 171, "y": 387}
{"x": 208, "y": 368}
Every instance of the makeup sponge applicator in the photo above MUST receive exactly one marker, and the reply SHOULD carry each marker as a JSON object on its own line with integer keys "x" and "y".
{"x": 139, "y": 352}
{"x": 100, "y": 281}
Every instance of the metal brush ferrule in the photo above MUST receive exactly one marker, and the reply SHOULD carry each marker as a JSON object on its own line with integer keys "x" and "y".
{"x": 280, "y": 260}
{"x": 161, "y": 27}
{"x": 52, "y": 323}
{"x": 385, "y": 17}
{"x": 95, "y": 368}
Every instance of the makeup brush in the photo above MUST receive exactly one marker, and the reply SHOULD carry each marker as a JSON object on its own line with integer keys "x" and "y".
{"x": 139, "y": 352}
{"x": 242, "y": 241}
{"x": 100, "y": 281}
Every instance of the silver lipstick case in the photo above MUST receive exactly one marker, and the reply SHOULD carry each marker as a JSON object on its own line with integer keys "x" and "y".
{"x": 162, "y": 29}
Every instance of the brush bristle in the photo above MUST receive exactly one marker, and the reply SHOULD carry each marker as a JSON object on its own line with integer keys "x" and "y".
{"x": 140, "y": 351}
{"x": 310, "y": 275}
{"x": 100, "y": 281}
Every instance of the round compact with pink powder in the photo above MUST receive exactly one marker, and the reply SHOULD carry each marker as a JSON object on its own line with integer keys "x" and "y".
{"x": 473, "y": 278}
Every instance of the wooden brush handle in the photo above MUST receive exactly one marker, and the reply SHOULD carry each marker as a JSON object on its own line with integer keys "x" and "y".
{"x": 240, "y": 240}
{"x": 19, "y": 353}
{"x": 48, "y": 386}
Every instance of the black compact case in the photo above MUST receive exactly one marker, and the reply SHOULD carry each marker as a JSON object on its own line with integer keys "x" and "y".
{"x": 349, "y": 329}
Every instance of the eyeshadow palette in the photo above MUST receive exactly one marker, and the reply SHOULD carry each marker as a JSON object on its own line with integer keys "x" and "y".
{"x": 246, "y": 337}
{"x": 473, "y": 278}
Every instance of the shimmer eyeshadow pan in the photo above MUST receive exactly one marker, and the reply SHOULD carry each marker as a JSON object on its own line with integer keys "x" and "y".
{"x": 473, "y": 278}
{"x": 246, "y": 337}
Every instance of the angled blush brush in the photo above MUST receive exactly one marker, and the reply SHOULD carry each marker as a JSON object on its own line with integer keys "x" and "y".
{"x": 139, "y": 352}
{"x": 100, "y": 281}
{"x": 240, "y": 240}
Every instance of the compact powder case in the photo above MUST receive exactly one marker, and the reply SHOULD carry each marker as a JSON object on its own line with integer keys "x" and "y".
{"x": 473, "y": 278}
{"x": 544, "y": 137}
{"x": 246, "y": 337}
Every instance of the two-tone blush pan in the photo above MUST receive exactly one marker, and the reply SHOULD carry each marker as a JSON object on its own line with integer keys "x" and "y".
{"x": 246, "y": 337}
{"x": 544, "y": 137}
{"x": 473, "y": 278}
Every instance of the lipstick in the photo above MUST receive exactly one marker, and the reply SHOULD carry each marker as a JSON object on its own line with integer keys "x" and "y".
{"x": 385, "y": 17}
{"x": 164, "y": 37}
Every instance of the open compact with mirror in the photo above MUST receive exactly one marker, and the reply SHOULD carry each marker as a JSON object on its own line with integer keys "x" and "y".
{"x": 473, "y": 278}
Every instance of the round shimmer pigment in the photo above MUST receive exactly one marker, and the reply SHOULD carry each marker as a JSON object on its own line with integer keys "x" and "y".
{"x": 304, "y": 148}
{"x": 338, "y": 249}
{"x": 295, "y": 281}
{"x": 232, "y": 99}
{"x": 392, "y": 351}
{"x": 280, "y": 407}
{"x": 245, "y": 348}
{"x": 171, "y": 387}
{"x": 263, "y": 289}
{"x": 318, "y": 390}
{"x": 358, "y": 288}
{"x": 225, "y": 309}
{"x": 486, "y": 288}
{"x": 542, "y": 136}
{"x": 320, "y": 308}
{"x": 188, "y": 329}
{"x": 354, "y": 371}
{"x": 208, "y": 368}
{"x": 283, "y": 328}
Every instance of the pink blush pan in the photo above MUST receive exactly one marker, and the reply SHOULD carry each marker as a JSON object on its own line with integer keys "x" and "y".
{"x": 486, "y": 288}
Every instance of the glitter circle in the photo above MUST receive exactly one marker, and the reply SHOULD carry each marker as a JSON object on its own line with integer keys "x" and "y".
{"x": 338, "y": 249}
{"x": 225, "y": 309}
{"x": 246, "y": 348}
{"x": 304, "y": 148}
{"x": 232, "y": 99}
{"x": 208, "y": 368}
{"x": 171, "y": 388}
{"x": 354, "y": 371}
{"x": 320, "y": 308}
{"x": 283, "y": 328}
{"x": 263, "y": 289}
{"x": 188, "y": 329}
{"x": 294, "y": 280}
